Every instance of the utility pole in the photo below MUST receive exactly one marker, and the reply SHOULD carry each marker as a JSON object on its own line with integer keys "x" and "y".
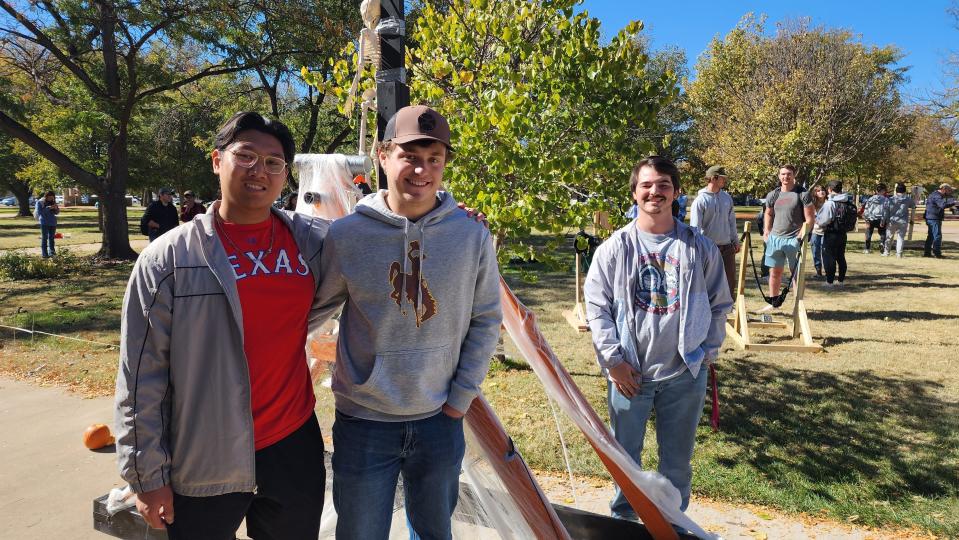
{"x": 392, "y": 92}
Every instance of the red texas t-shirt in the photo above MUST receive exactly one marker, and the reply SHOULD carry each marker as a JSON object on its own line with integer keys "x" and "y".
{"x": 276, "y": 291}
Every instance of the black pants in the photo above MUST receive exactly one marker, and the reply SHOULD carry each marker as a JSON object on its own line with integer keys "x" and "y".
{"x": 291, "y": 482}
{"x": 878, "y": 225}
{"x": 834, "y": 253}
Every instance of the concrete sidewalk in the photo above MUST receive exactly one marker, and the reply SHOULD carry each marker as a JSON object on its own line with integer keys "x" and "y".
{"x": 49, "y": 478}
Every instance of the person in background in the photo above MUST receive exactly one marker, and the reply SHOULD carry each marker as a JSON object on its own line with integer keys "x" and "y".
{"x": 787, "y": 208}
{"x": 190, "y": 207}
{"x": 936, "y": 205}
{"x": 830, "y": 219}
{"x": 681, "y": 206}
{"x": 819, "y": 196}
{"x": 900, "y": 208}
{"x": 289, "y": 202}
{"x": 876, "y": 214}
{"x": 714, "y": 215}
{"x": 656, "y": 304}
{"x": 46, "y": 210}
{"x": 161, "y": 216}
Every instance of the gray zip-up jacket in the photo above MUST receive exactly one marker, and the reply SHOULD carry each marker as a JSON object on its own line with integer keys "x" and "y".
{"x": 422, "y": 313}
{"x": 703, "y": 295}
{"x": 183, "y": 413}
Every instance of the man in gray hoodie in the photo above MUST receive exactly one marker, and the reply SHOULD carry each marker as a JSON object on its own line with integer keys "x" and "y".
{"x": 714, "y": 215}
{"x": 901, "y": 206}
{"x": 656, "y": 304}
{"x": 421, "y": 319}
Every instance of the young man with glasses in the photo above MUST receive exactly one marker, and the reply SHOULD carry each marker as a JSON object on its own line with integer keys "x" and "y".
{"x": 211, "y": 431}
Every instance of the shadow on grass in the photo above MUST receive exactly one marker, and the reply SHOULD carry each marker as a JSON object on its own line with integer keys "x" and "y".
{"x": 896, "y": 435}
{"x": 897, "y": 316}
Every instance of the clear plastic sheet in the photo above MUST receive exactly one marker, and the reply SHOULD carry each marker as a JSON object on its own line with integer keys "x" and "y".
{"x": 326, "y": 185}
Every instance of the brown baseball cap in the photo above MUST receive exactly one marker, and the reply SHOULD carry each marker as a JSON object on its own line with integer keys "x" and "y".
{"x": 415, "y": 123}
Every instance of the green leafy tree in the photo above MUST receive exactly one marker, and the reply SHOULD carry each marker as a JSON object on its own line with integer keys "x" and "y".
{"x": 547, "y": 120}
{"x": 815, "y": 97}
{"x": 122, "y": 55}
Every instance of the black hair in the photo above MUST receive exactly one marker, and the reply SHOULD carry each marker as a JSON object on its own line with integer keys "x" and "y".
{"x": 660, "y": 165}
{"x": 835, "y": 186}
{"x": 243, "y": 121}
{"x": 881, "y": 187}
{"x": 49, "y": 193}
{"x": 900, "y": 187}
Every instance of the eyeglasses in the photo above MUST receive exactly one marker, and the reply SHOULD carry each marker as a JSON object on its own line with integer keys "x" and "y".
{"x": 247, "y": 159}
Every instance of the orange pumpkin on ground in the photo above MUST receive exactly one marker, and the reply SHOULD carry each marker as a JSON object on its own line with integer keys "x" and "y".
{"x": 97, "y": 436}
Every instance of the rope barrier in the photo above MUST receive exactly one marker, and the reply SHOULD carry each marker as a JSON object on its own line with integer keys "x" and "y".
{"x": 774, "y": 301}
{"x": 18, "y": 329}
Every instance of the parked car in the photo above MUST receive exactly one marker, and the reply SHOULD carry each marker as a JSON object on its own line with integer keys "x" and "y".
{"x": 9, "y": 201}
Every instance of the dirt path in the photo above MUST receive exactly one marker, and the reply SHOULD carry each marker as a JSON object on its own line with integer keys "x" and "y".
{"x": 732, "y": 522}
{"x": 86, "y": 249}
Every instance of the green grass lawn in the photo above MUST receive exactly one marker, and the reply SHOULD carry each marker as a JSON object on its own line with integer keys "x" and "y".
{"x": 77, "y": 224}
{"x": 865, "y": 432}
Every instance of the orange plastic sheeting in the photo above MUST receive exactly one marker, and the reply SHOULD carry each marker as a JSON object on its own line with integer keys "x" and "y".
{"x": 512, "y": 471}
{"x": 655, "y": 500}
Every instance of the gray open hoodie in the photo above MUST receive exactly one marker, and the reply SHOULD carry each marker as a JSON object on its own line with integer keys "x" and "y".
{"x": 422, "y": 309}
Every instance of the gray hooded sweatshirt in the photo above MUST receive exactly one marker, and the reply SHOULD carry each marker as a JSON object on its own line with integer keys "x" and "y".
{"x": 899, "y": 206}
{"x": 714, "y": 216}
{"x": 422, "y": 309}
{"x": 702, "y": 293}
{"x": 827, "y": 213}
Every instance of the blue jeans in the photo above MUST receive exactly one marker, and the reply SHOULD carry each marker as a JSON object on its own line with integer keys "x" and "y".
{"x": 679, "y": 406}
{"x": 816, "y": 244}
{"x": 369, "y": 456}
{"x": 934, "y": 238}
{"x": 47, "y": 234}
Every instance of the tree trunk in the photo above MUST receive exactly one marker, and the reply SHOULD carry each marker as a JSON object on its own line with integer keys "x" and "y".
{"x": 116, "y": 237}
{"x": 21, "y": 190}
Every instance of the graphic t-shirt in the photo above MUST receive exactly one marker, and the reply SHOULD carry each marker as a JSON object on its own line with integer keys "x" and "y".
{"x": 656, "y": 304}
{"x": 788, "y": 209}
{"x": 276, "y": 292}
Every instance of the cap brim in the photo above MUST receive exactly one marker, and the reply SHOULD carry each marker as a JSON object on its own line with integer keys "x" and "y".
{"x": 418, "y": 137}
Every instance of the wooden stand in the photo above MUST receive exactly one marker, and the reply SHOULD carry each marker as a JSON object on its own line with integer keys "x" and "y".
{"x": 576, "y": 317}
{"x": 798, "y": 325}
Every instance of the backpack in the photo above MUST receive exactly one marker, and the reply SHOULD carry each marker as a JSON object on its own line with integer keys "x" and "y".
{"x": 844, "y": 219}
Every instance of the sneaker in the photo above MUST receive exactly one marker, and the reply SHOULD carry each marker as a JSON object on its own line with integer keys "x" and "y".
{"x": 866, "y": 251}
{"x": 828, "y": 285}
{"x": 766, "y": 309}
{"x": 838, "y": 284}
{"x": 898, "y": 255}
{"x": 885, "y": 253}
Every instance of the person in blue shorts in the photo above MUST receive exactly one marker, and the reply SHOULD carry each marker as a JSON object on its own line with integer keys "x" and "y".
{"x": 787, "y": 208}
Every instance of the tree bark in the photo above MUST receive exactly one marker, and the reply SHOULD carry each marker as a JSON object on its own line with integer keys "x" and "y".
{"x": 21, "y": 190}
{"x": 116, "y": 239}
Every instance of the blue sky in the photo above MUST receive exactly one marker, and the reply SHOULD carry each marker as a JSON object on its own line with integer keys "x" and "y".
{"x": 922, "y": 29}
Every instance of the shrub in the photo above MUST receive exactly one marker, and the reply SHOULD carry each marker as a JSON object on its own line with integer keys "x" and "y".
{"x": 17, "y": 265}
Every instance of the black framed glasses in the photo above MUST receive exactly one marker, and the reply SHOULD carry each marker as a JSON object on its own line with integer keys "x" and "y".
{"x": 247, "y": 159}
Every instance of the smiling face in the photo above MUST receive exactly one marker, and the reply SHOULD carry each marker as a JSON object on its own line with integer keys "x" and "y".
{"x": 654, "y": 193}
{"x": 248, "y": 193}
{"x": 414, "y": 174}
